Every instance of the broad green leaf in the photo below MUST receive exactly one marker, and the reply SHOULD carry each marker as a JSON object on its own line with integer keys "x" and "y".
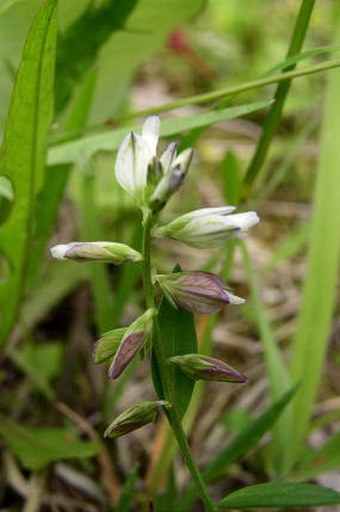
{"x": 22, "y": 155}
{"x": 82, "y": 149}
{"x": 248, "y": 438}
{"x": 178, "y": 336}
{"x": 37, "y": 447}
{"x": 280, "y": 494}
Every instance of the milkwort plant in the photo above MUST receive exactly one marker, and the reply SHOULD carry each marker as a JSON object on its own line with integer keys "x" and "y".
{"x": 151, "y": 180}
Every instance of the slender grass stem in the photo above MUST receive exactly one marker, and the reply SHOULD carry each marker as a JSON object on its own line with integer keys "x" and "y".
{"x": 275, "y": 111}
{"x": 199, "y": 99}
{"x": 172, "y": 414}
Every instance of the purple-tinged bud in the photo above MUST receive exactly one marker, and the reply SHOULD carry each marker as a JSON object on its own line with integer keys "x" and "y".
{"x": 135, "y": 417}
{"x": 201, "y": 367}
{"x": 171, "y": 181}
{"x": 108, "y": 252}
{"x": 135, "y": 337}
{"x": 201, "y": 293}
{"x": 106, "y": 347}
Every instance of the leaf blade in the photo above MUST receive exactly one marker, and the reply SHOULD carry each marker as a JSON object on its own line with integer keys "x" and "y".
{"x": 280, "y": 494}
{"x": 23, "y": 163}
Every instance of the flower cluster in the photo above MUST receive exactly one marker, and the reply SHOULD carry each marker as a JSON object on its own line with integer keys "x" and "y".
{"x": 151, "y": 180}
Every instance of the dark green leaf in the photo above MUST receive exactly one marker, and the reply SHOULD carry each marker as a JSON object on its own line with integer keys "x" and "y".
{"x": 178, "y": 336}
{"x": 280, "y": 494}
{"x": 22, "y": 156}
{"x": 38, "y": 447}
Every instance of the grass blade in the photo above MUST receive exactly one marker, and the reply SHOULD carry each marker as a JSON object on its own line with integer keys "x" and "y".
{"x": 318, "y": 297}
{"x": 282, "y": 90}
{"x": 247, "y": 438}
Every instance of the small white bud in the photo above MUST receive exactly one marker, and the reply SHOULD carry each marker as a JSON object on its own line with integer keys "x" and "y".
{"x": 209, "y": 227}
{"x": 109, "y": 252}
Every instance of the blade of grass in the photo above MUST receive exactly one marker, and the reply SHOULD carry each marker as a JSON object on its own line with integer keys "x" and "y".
{"x": 23, "y": 153}
{"x": 241, "y": 445}
{"x": 318, "y": 296}
{"x": 275, "y": 112}
{"x": 279, "y": 380}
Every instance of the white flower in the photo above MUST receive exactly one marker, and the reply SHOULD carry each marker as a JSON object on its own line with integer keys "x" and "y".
{"x": 208, "y": 227}
{"x": 134, "y": 156}
{"x": 110, "y": 252}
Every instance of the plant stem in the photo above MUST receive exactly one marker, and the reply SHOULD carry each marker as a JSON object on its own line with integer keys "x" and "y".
{"x": 172, "y": 414}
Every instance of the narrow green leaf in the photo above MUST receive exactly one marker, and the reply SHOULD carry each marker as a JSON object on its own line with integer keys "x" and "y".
{"x": 297, "y": 57}
{"x": 84, "y": 148}
{"x": 177, "y": 330}
{"x": 319, "y": 292}
{"x": 129, "y": 491}
{"x": 231, "y": 178}
{"x": 22, "y": 156}
{"x": 282, "y": 90}
{"x": 38, "y": 447}
{"x": 248, "y": 438}
{"x": 279, "y": 378}
{"x": 280, "y": 494}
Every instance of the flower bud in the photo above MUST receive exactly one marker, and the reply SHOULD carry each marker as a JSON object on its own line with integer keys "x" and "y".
{"x": 107, "y": 346}
{"x": 109, "y": 252}
{"x": 168, "y": 157}
{"x": 135, "y": 417}
{"x": 134, "y": 157}
{"x": 202, "y": 367}
{"x": 172, "y": 179}
{"x": 201, "y": 293}
{"x": 208, "y": 227}
{"x": 135, "y": 337}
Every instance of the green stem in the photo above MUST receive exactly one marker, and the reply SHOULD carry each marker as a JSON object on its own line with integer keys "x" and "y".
{"x": 207, "y": 97}
{"x": 172, "y": 414}
{"x": 275, "y": 112}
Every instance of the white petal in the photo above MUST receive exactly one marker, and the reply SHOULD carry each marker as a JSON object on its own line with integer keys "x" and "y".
{"x": 245, "y": 220}
{"x": 168, "y": 157}
{"x": 124, "y": 165}
{"x": 59, "y": 251}
{"x": 150, "y": 132}
{"x": 131, "y": 166}
{"x": 142, "y": 158}
{"x": 205, "y": 212}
